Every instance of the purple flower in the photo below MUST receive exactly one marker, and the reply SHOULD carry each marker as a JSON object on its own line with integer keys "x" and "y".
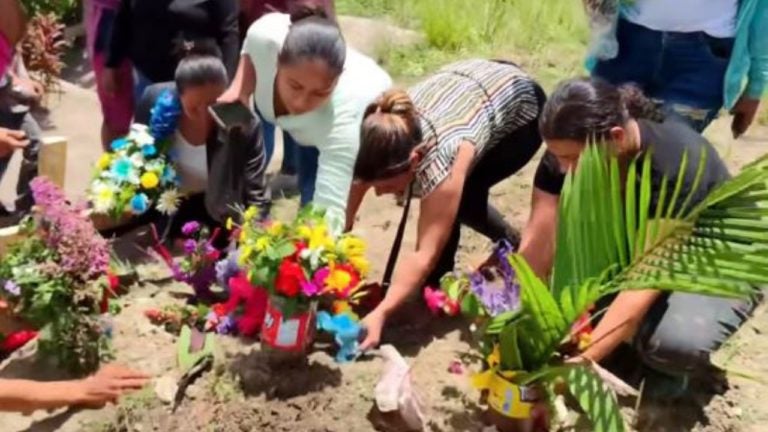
{"x": 190, "y": 246}
{"x": 227, "y": 269}
{"x": 83, "y": 253}
{"x": 227, "y": 326}
{"x": 190, "y": 228}
{"x": 496, "y": 286}
{"x": 12, "y": 288}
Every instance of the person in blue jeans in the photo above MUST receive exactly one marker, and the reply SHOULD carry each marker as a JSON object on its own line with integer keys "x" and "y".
{"x": 694, "y": 56}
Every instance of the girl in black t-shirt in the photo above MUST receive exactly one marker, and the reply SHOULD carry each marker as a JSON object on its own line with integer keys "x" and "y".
{"x": 674, "y": 333}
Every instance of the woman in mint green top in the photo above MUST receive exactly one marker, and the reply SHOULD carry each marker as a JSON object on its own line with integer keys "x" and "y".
{"x": 300, "y": 75}
{"x": 733, "y": 46}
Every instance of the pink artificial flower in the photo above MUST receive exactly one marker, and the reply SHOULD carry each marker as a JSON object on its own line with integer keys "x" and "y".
{"x": 310, "y": 288}
{"x": 436, "y": 299}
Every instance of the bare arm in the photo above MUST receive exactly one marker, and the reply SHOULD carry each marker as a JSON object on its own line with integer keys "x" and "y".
{"x": 356, "y": 194}
{"x": 12, "y": 21}
{"x": 620, "y": 322}
{"x": 538, "y": 242}
{"x": 243, "y": 84}
{"x": 109, "y": 383}
{"x": 27, "y": 396}
{"x": 436, "y": 219}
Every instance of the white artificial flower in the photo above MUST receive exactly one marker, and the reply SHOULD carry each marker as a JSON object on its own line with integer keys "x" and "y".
{"x": 137, "y": 159}
{"x": 168, "y": 203}
{"x": 102, "y": 196}
{"x": 140, "y": 135}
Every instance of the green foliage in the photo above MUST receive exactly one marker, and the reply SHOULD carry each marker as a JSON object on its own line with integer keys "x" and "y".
{"x": 595, "y": 398}
{"x": 67, "y": 11}
{"x": 610, "y": 238}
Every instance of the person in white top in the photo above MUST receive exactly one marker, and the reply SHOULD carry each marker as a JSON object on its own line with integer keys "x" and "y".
{"x": 306, "y": 80}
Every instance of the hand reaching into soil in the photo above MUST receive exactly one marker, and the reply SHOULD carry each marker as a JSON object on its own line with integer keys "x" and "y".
{"x": 372, "y": 324}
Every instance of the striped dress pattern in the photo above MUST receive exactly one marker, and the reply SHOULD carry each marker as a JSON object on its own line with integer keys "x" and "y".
{"x": 476, "y": 101}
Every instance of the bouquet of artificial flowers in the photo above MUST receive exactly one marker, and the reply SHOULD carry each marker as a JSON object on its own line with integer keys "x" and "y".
{"x": 138, "y": 172}
{"x": 56, "y": 279}
{"x": 300, "y": 265}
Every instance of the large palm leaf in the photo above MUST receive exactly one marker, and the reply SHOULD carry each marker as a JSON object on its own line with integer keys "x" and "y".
{"x": 610, "y": 238}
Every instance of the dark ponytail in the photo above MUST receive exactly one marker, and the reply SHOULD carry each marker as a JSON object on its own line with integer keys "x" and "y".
{"x": 314, "y": 34}
{"x": 588, "y": 108}
{"x": 200, "y": 64}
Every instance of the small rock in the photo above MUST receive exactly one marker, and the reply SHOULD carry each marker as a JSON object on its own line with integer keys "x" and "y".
{"x": 736, "y": 412}
{"x": 165, "y": 388}
{"x": 456, "y": 367}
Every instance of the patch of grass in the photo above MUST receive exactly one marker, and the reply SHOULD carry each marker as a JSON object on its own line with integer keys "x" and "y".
{"x": 547, "y": 37}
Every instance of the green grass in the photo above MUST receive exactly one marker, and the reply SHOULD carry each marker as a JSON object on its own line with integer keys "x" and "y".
{"x": 547, "y": 37}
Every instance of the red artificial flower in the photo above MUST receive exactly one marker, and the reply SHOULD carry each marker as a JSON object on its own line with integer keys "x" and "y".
{"x": 289, "y": 278}
{"x": 16, "y": 340}
{"x": 114, "y": 281}
{"x": 255, "y": 304}
{"x": 300, "y": 247}
{"x": 220, "y": 309}
{"x": 154, "y": 315}
{"x": 213, "y": 255}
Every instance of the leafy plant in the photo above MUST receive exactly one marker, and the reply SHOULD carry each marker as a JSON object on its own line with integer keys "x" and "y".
{"x": 67, "y": 11}
{"x": 43, "y": 48}
{"x": 55, "y": 279}
{"x": 612, "y": 238}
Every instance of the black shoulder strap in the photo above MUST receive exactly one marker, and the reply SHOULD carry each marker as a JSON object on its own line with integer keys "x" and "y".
{"x": 392, "y": 261}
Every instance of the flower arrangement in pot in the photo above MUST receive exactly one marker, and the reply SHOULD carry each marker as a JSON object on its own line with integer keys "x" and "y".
{"x": 608, "y": 241}
{"x": 138, "y": 173}
{"x": 56, "y": 279}
{"x": 304, "y": 267}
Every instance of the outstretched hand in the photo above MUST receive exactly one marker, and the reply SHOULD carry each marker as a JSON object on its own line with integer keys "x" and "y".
{"x": 372, "y": 324}
{"x": 107, "y": 385}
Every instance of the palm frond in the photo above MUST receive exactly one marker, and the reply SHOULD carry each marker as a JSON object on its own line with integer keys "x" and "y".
{"x": 595, "y": 398}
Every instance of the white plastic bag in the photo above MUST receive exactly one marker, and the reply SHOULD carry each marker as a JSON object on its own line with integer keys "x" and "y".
{"x": 394, "y": 392}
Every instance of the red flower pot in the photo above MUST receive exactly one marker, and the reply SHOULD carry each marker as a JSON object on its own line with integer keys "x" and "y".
{"x": 289, "y": 334}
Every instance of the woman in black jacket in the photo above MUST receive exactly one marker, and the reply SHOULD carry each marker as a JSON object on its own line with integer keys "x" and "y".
{"x": 219, "y": 170}
{"x": 146, "y": 32}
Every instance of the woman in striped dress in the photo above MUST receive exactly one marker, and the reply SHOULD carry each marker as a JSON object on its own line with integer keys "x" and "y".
{"x": 452, "y": 137}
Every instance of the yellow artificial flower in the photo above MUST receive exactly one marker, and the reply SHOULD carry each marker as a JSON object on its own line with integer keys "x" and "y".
{"x": 243, "y": 235}
{"x": 149, "y": 180}
{"x": 304, "y": 232}
{"x": 275, "y": 229}
{"x": 338, "y": 279}
{"x": 250, "y": 213}
{"x": 361, "y": 264}
{"x": 261, "y": 244}
{"x": 319, "y": 238}
{"x": 245, "y": 253}
{"x": 494, "y": 359}
{"x": 230, "y": 224}
{"x": 352, "y": 246}
{"x": 104, "y": 161}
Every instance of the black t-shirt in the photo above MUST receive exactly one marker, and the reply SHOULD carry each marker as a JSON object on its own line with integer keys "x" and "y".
{"x": 669, "y": 141}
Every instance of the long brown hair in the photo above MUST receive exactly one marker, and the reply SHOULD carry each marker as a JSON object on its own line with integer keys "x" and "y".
{"x": 391, "y": 130}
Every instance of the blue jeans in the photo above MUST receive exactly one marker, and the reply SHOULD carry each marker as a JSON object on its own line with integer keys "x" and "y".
{"x": 685, "y": 71}
{"x": 303, "y": 157}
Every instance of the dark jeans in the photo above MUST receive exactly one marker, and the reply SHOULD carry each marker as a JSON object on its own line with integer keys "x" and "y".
{"x": 23, "y": 120}
{"x": 301, "y": 159}
{"x": 500, "y": 162}
{"x": 682, "y": 330}
{"x": 685, "y": 71}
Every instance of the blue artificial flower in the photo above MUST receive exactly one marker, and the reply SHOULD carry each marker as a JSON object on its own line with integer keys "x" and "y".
{"x": 119, "y": 144}
{"x": 346, "y": 332}
{"x": 165, "y": 115}
{"x": 149, "y": 150}
{"x": 123, "y": 170}
{"x": 139, "y": 203}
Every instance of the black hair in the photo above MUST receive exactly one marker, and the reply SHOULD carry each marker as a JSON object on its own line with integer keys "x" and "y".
{"x": 314, "y": 35}
{"x": 582, "y": 109}
{"x": 200, "y": 65}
